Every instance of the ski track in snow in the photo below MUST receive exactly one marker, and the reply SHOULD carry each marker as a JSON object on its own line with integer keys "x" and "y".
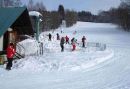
{"x": 82, "y": 69}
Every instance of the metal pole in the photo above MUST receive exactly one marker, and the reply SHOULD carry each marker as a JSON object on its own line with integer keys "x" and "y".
{"x": 37, "y": 29}
{"x": 38, "y": 23}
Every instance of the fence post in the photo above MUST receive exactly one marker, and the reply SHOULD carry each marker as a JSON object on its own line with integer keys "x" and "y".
{"x": 41, "y": 48}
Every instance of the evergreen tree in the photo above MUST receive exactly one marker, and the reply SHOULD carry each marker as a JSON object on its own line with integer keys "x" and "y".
{"x": 61, "y": 12}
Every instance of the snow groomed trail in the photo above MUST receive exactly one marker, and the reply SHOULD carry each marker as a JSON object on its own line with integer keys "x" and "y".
{"x": 82, "y": 69}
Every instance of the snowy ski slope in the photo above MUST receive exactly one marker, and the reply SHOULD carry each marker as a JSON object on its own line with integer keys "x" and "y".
{"x": 82, "y": 69}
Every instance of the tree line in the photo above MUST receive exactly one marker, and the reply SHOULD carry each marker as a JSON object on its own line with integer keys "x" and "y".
{"x": 119, "y": 16}
{"x": 53, "y": 19}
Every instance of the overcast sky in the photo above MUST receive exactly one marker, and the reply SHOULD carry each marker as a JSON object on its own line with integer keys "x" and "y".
{"x": 78, "y": 5}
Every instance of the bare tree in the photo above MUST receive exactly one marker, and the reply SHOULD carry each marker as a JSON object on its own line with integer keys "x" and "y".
{"x": 30, "y": 5}
{"x": 17, "y": 3}
{"x": 10, "y": 3}
{"x": 38, "y": 6}
{"x": 124, "y": 15}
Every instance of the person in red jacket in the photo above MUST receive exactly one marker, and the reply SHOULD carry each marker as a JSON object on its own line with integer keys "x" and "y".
{"x": 67, "y": 39}
{"x": 10, "y": 54}
{"x": 73, "y": 42}
{"x": 73, "y": 46}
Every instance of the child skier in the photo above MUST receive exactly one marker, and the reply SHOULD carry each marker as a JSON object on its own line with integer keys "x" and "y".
{"x": 73, "y": 46}
{"x": 73, "y": 42}
{"x": 67, "y": 39}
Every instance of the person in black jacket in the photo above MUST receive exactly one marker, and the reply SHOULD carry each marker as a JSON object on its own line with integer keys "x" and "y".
{"x": 62, "y": 41}
{"x": 58, "y": 36}
{"x": 50, "y": 36}
{"x": 83, "y": 41}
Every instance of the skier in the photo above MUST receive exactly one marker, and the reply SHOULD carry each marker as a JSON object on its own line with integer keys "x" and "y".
{"x": 58, "y": 36}
{"x": 73, "y": 42}
{"x": 74, "y": 32}
{"x": 50, "y": 36}
{"x": 10, "y": 54}
{"x": 73, "y": 46}
{"x": 62, "y": 41}
{"x": 83, "y": 41}
{"x": 67, "y": 39}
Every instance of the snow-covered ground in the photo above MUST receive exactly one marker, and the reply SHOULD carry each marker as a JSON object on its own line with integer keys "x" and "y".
{"x": 85, "y": 68}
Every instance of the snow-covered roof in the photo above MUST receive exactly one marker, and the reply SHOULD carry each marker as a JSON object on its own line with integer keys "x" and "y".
{"x": 35, "y": 13}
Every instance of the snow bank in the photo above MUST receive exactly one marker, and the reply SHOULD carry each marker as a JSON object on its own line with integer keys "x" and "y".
{"x": 29, "y": 64}
{"x": 30, "y": 46}
{"x": 67, "y": 61}
{"x": 35, "y": 13}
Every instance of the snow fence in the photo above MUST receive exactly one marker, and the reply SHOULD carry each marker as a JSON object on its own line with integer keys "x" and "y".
{"x": 99, "y": 46}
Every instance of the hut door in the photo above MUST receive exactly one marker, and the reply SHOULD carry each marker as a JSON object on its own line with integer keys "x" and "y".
{"x": 12, "y": 36}
{"x": 9, "y": 37}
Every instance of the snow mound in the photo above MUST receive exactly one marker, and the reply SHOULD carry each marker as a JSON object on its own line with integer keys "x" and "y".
{"x": 30, "y": 46}
{"x": 29, "y": 64}
{"x": 51, "y": 46}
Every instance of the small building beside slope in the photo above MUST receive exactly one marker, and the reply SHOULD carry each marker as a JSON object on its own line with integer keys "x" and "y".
{"x": 14, "y": 22}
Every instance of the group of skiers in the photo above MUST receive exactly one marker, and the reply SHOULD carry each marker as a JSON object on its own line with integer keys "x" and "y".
{"x": 10, "y": 51}
{"x": 73, "y": 42}
{"x": 65, "y": 39}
